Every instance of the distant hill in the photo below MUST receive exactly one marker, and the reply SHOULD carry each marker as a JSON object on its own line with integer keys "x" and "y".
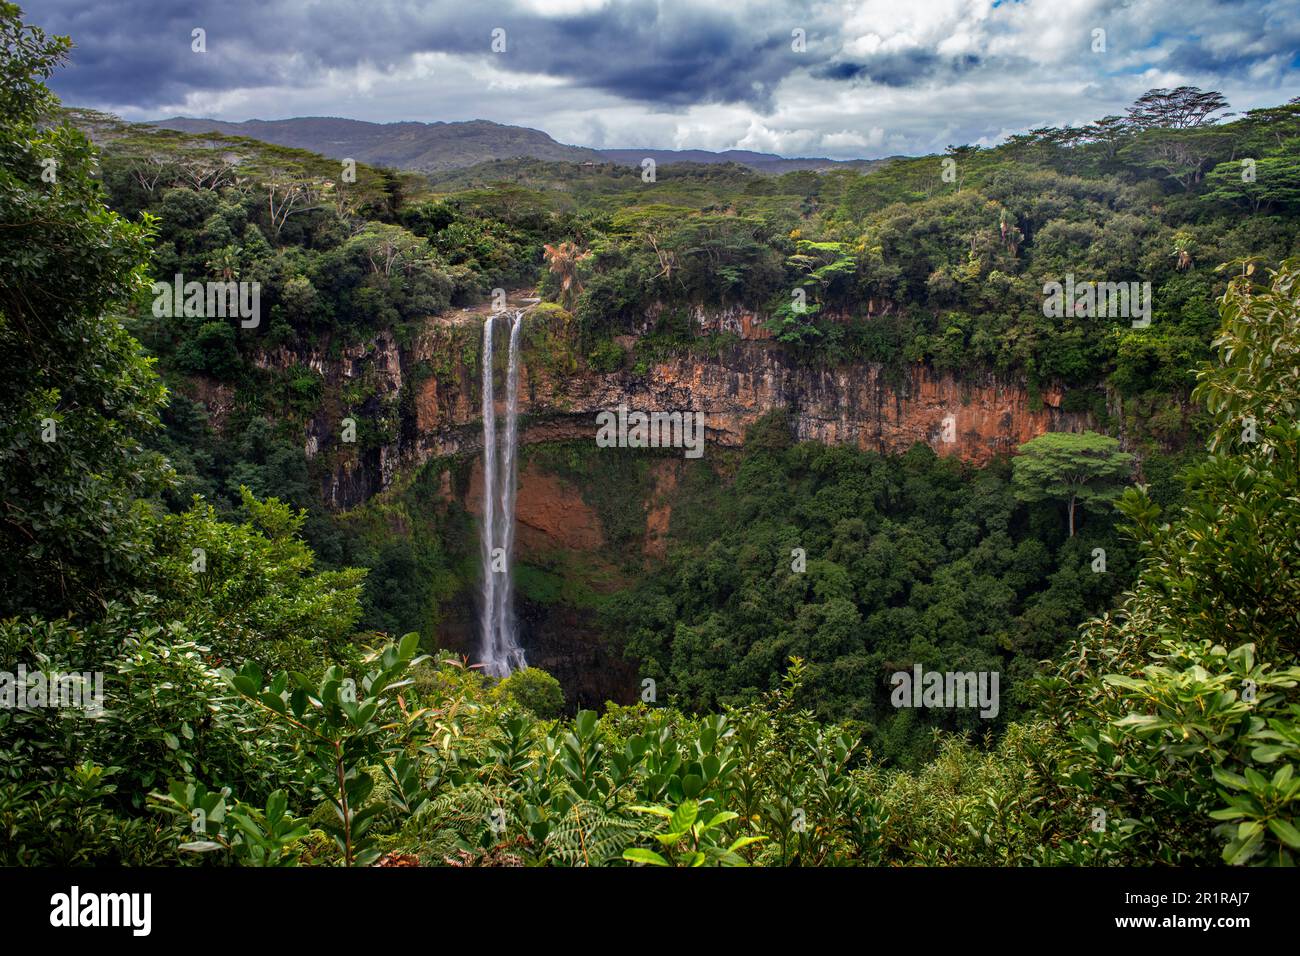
{"x": 439, "y": 147}
{"x": 423, "y": 147}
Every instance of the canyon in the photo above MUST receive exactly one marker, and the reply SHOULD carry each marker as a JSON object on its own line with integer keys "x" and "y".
{"x": 432, "y": 384}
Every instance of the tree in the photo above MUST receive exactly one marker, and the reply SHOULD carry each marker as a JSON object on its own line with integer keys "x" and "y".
{"x": 211, "y": 350}
{"x": 289, "y": 192}
{"x": 252, "y": 589}
{"x": 1274, "y": 125}
{"x": 1275, "y": 183}
{"x": 1257, "y": 383}
{"x": 77, "y": 396}
{"x": 225, "y": 262}
{"x": 1184, "y": 243}
{"x": 563, "y": 259}
{"x": 1182, "y": 155}
{"x": 1087, "y": 469}
{"x": 1108, "y": 133}
{"x": 1182, "y": 108}
{"x": 1184, "y": 701}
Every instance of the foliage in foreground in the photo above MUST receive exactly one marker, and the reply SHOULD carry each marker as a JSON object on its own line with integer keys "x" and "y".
{"x": 1184, "y": 700}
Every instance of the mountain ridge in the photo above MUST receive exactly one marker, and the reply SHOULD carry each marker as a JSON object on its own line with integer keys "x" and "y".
{"x": 440, "y": 145}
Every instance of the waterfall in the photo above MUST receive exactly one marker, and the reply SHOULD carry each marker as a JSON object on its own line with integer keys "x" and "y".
{"x": 488, "y": 596}
{"x": 505, "y": 617}
{"x": 501, "y": 651}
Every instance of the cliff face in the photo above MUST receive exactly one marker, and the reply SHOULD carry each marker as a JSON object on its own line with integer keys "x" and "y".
{"x": 549, "y": 512}
{"x": 973, "y": 418}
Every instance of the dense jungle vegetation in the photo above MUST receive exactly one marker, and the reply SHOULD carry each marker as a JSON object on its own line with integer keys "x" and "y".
{"x": 265, "y": 704}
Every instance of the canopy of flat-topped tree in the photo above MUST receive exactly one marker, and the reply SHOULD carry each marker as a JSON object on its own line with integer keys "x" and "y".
{"x": 1087, "y": 466}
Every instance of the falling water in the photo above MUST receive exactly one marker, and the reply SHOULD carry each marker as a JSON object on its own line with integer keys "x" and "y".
{"x": 501, "y": 651}
{"x": 505, "y": 617}
{"x": 489, "y": 483}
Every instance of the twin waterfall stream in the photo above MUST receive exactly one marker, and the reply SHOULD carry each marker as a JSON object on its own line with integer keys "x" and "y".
{"x": 500, "y": 650}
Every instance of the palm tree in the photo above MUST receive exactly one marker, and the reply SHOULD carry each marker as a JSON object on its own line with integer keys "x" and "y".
{"x": 225, "y": 261}
{"x": 1183, "y": 249}
{"x": 563, "y": 260}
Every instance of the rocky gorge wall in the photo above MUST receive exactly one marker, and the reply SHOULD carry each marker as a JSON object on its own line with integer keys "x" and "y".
{"x": 974, "y": 418}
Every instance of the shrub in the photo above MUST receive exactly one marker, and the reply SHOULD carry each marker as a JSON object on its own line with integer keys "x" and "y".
{"x": 534, "y": 690}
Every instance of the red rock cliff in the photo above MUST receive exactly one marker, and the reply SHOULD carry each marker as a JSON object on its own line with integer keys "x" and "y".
{"x": 974, "y": 418}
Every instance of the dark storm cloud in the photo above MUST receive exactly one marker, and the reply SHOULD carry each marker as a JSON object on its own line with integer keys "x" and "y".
{"x": 904, "y": 68}
{"x": 134, "y": 53}
{"x": 671, "y": 53}
{"x": 1195, "y": 57}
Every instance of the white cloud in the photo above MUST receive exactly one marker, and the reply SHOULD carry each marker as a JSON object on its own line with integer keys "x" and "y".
{"x": 977, "y": 74}
{"x": 562, "y": 8}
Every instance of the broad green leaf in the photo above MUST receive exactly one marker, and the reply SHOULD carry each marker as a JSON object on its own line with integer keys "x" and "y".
{"x": 649, "y": 857}
{"x": 684, "y": 816}
{"x": 1285, "y": 831}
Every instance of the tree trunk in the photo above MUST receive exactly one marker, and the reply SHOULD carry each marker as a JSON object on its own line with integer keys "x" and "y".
{"x": 1073, "y": 498}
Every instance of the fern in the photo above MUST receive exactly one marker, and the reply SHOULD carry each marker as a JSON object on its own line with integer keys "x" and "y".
{"x": 459, "y": 819}
{"x": 588, "y": 835}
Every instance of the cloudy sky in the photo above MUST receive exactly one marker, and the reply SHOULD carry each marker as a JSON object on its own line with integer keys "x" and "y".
{"x": 870, "y": 78}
